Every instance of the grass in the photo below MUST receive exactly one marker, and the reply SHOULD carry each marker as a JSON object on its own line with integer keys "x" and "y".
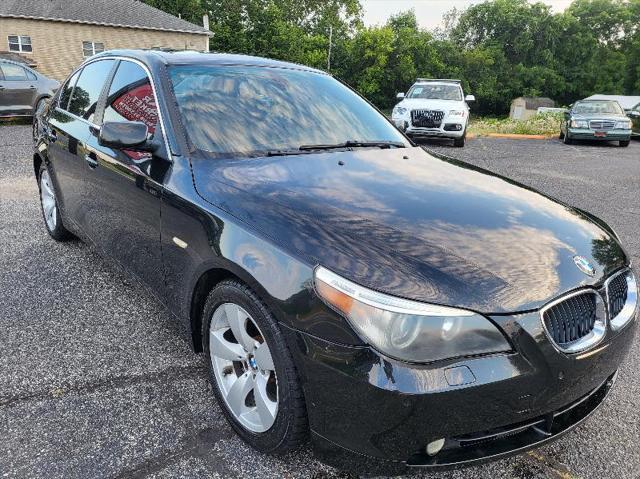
{"x": 15, "y": 120}
{"x": 547, "y": 124}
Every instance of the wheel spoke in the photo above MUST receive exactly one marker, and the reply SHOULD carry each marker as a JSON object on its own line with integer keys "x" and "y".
{"x": 266, "y": 407}
{"x": 222, "y": 348}
{"x": 238, "y": 393}
{"x": 47, "y": 187}
{"x": 237, "y": 320}
{"x": 47, "y": 204}
{"x": 263, "y": 358}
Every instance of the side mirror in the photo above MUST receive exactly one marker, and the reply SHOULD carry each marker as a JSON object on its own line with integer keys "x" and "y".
{"x": 634, "y": 114}
{"x": 400, "y": 96}
{"x": 122, "y": 135}
{"x": 469, "y": 98}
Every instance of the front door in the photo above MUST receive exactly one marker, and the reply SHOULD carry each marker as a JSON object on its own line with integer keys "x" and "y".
{"x": 18, "y": 90}
{"x": 126, "y": 186}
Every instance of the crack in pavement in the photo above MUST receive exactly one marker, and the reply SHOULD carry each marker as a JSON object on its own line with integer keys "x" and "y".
{"x": 198, "y": 446}
{"x": 168, "y": 374}
{"x": 559, "y": 470}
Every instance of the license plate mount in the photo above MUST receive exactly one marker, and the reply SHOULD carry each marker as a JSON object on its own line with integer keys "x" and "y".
{"x": 600, "y": 134}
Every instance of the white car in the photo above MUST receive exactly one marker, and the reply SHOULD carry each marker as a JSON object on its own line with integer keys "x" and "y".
{"x": 434, "y": 108}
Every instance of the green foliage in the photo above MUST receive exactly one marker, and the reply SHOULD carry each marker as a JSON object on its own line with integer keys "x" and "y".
{"x": 500, "y": 49}
{"x": 189, "y": 10}
{"x": 547, "y": 124}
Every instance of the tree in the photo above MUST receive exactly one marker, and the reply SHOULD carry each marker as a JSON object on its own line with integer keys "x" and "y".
{"x": 189, "y": 10}
{"x": 500, "y": 49}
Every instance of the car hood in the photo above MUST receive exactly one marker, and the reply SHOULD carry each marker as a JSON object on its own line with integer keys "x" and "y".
{"x": 415, "y": 225}
{"x": 599, "y": 116}
{"x": 445, "y": 105}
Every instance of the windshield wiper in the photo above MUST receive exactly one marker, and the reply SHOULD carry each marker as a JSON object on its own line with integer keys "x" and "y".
{"x": 287, "y": 152}
{"x": 355, "y": 144}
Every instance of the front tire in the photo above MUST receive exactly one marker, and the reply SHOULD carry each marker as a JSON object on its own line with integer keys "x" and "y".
{"x": 567, "y": 139}
{"x": 624, "y": 143}
{"x": 252, "y": 371}
{"x": 459, "y": 142}
{"x": 49, "y": 206}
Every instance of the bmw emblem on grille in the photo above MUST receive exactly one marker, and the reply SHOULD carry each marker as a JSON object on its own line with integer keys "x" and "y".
{"x": 584, "y": 265}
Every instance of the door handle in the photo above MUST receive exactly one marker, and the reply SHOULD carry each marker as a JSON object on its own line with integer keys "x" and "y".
{"x": 91, "y": 159}
{"x": 1, "y": 87}
{"x": 31, "y": 87}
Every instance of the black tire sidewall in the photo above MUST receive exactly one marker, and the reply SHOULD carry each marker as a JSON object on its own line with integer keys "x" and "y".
{"x": 278, "y": 439}
{"x": 59, "y": 233}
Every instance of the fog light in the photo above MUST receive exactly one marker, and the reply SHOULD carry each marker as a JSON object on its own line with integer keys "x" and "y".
{"x": 434, "y": 447}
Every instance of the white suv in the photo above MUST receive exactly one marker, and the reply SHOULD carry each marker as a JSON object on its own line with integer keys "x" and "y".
{"x": 434, "y": 108}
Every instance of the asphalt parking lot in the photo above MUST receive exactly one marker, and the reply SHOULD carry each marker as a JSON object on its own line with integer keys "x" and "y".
{"x": 98, "y": 380}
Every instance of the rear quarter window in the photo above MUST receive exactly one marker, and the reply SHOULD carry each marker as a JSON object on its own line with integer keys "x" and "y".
{"x": 66, "y": 91}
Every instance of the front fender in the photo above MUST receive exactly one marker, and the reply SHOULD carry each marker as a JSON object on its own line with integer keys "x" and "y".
{"x": 198, "y": 238}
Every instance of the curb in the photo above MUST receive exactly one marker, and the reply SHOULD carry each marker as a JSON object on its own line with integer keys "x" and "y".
{"x": 514, "y": 136}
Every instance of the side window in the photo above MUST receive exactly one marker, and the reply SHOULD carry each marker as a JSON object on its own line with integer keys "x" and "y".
{"x": 66, "y": 91}
{"x": 32, "y": 76}
{"x": 131, "y": 97}
{"x": 13, "y": 72}
{"x": 87, "y": 91}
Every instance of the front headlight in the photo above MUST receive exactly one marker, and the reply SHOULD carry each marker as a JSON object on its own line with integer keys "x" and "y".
{"x": 459, "y": 113}
{"x": 409, "y": 330}
{"x": 399, "y": 111}
{"x": 579, "y": 124}
{"x": 623, "y": 125}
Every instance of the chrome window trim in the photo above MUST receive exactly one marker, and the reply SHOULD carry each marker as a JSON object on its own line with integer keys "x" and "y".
{"x": 153, "y": 87}
{"x": 628, "y": 312}
{"x": 595, "y": 336}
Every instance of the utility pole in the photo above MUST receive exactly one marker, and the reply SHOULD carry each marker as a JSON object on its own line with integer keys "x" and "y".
{"x": 330, "y": 44}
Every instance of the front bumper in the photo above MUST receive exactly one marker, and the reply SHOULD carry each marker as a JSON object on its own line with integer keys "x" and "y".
{"x": 448, "y": 129}
{"x": 372, "y": 414}
{"x": 588, "y": 134}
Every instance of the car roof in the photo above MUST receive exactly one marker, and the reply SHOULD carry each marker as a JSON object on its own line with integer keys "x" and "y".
{"x": 188, "y": 57}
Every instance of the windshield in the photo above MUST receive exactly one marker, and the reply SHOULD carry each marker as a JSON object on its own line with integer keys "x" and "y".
{"x": 589, "y": 107}
{"x": 436, "y": 92}
{"x": 249, "y": 111}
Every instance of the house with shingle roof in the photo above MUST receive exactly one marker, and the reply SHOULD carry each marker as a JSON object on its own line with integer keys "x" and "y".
{"x": 57, "y": 35}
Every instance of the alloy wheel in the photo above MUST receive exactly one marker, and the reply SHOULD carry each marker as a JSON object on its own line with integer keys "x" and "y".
{"x": 243, "y": 367}
{"x": 48, "y": 198}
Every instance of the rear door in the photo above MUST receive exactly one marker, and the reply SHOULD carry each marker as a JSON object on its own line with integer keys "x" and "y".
{"x": 18, "y": 89}
{"x": 67, "y": 130}
{"x": 125, "y": 185}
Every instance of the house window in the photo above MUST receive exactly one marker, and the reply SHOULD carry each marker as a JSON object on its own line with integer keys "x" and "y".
{"x": 20, "y": 43}
{"x": 91, "y": 48}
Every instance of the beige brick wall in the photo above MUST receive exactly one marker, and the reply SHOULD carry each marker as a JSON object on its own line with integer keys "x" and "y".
{"x": 57, "y": 46}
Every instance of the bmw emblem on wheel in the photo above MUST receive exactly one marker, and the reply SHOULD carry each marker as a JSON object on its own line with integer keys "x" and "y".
{"x": 584, "y": 265}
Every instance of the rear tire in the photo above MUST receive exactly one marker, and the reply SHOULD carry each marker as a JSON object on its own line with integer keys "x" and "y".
{"x": 261, "y": 398}
{"x": 624, "y": 143}
{"x": 49, "y": 206}
{"x": 35, "y": 129}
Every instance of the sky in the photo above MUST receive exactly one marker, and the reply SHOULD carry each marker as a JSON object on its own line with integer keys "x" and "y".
{"x": 429, "y": 12}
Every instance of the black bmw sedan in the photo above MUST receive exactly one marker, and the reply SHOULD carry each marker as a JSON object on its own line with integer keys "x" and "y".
{"x": 397, "y": 308}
